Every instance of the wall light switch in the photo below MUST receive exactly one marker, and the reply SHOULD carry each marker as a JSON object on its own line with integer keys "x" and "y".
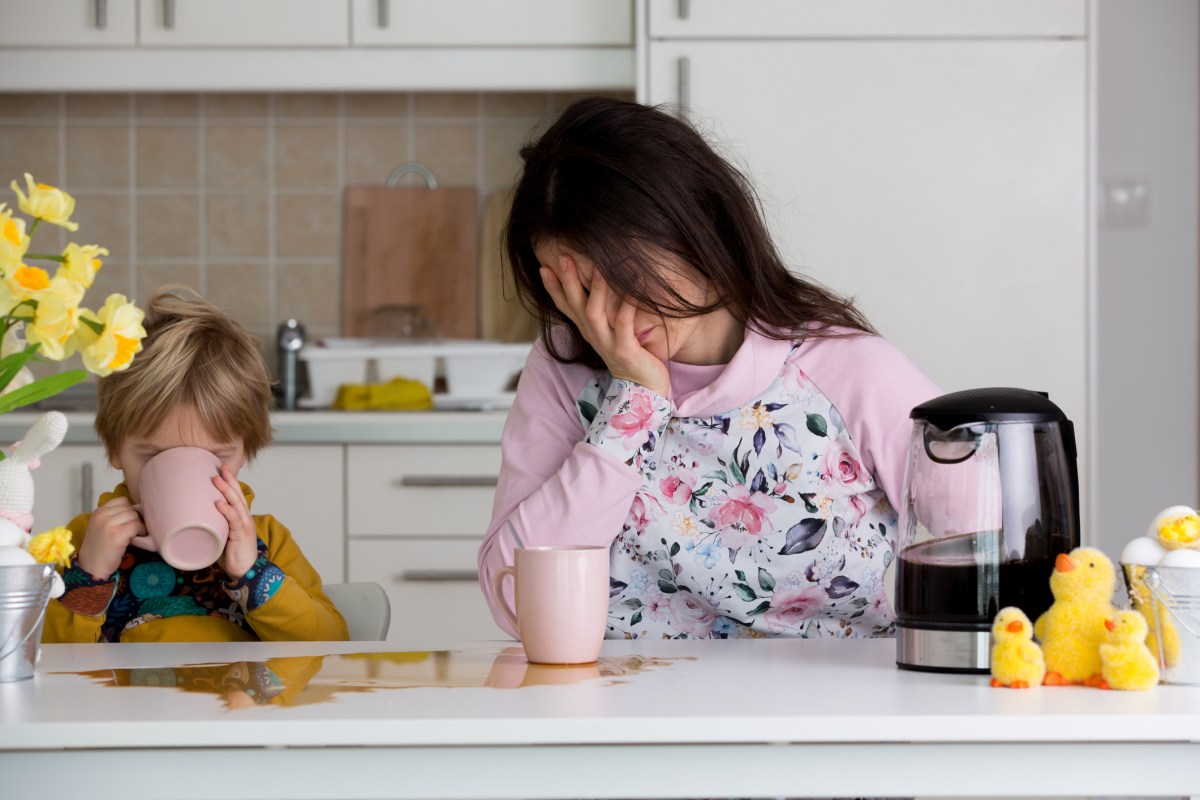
{"x": 1125, "y": 203}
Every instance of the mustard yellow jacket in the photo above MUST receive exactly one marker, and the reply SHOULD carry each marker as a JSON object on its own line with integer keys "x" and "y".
{"x": 154, "y": 603}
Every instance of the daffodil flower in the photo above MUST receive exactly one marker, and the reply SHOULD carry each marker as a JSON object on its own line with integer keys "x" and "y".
{"x": 14, "y": 242}
{"x": 46, "y": 203}
{"x": 82, "y": 262}
{"x": 56, "y": 318}
{"x": 26, "y": 281}
{"x": 109, "y": 340}
{"x": 41, "y": 315}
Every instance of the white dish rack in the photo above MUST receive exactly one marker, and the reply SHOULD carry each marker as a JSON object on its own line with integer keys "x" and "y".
{"x": 475, "y": 370}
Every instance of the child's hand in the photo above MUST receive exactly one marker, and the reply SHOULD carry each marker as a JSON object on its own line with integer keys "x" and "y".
{"x": 242, "y": 548}
{"x": 606, "y": 322}
{"x": 110, "y": 529}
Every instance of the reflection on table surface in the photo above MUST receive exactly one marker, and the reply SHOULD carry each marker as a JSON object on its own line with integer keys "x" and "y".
{"x": 304, "y": 680}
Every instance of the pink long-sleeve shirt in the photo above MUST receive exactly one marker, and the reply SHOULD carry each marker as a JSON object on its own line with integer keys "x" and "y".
{"x": 758, "y": 498}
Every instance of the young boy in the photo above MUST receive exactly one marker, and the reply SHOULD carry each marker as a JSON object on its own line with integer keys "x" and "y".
{"x": 198, "y": 382}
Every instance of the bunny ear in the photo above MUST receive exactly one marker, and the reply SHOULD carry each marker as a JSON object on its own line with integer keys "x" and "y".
{"x": 43, "y": 436}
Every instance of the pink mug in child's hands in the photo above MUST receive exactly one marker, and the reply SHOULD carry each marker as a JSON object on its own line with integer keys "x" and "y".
{"x": 561, "y": 596}
{"x": 179, "y": 507}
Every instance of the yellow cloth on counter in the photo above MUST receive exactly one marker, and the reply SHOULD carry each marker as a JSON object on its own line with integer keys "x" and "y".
{"x": 398, "y": 394}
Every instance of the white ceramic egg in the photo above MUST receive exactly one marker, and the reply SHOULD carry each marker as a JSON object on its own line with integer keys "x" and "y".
{"x": 1144, "y": 551}
{"x": 12, "y": 534}
{"x": 1181, "y": 558}
{"x": 1166, "y": 515}
{"x": 15, "y": 557}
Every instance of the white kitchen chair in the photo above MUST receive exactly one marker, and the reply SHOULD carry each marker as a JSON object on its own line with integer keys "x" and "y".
{"x": 364, "y": 606}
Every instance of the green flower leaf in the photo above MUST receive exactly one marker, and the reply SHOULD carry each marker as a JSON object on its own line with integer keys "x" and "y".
{"x": 667, "y": 588}
{"x": 587, "y": 410}
{"x": 817, "y": 424}
{"x": 745, "y": 592}
{"x": 766, "y": 580}
{"x": 760, "y": 608}
{"x": 636, "y": 618}
{"x": 10, "y": 365}
{"x": 675, "y": 548}
{"x": 40, "y": 389}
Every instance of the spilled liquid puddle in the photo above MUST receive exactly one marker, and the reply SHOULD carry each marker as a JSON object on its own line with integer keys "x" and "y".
{"x": 306, "y": 680}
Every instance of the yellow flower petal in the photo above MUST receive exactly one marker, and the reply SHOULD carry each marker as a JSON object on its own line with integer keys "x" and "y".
{"x": 113, "y": 349}
{"x": 47, "y": 203}
{"x": 82, "y": 263}
{"x": 14, "y": 242}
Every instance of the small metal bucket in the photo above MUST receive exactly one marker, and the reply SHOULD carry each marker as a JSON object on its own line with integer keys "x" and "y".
{"x": 1169, "y": 599}
{"x": 24, "y": 595}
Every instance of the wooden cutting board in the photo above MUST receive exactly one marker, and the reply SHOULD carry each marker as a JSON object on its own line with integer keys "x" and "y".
{"x": 501, "y": 315}
{"x": 411, "y": 246}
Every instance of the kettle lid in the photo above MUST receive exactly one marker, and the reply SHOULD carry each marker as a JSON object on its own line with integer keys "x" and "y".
{"x": 997, "y": 404}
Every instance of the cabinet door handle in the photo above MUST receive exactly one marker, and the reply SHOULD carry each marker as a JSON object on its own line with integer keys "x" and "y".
{"x": 85, "y": 493}
{"x": 685, "y": 84}
{"x": 447, "y": 481}
{"x": 383, "y": 10}
{"x": 438, "y": 576}
{"x": 101, "y": 7}
{"x": 685, "y": 9}
{"x": 168, "y": 9}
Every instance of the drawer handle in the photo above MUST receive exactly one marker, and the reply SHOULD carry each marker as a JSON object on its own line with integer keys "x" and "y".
{"x": 168, "y": 14}
{"x": 101, "y": 9}
{"x": 438, "y": 576}
{"x": 448, "y": 481}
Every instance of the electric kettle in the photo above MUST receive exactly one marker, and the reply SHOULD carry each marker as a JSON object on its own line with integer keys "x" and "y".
{"x": 991, "y": 497}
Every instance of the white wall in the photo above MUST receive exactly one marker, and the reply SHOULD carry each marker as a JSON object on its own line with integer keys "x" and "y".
{"x": 1146, "y": 355}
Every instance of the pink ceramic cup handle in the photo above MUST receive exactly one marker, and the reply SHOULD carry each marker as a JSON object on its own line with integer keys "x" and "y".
{"x": 498, "y": 594}
{"x": 146, "y": 541}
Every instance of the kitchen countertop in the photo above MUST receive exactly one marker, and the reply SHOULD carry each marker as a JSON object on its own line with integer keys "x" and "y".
{"x": 653, "y": 718}
{"x": 320, "y": 427}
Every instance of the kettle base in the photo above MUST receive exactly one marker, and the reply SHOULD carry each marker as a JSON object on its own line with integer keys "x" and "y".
{"x": 929, "y": 650}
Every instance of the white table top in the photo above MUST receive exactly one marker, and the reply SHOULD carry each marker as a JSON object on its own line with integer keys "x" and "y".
{"x": 658, "y": 692}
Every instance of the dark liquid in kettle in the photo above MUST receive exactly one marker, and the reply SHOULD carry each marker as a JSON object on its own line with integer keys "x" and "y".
{"x": 951, "y": 580}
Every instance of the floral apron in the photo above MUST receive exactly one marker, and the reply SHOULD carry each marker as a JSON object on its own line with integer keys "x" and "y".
{"x": 757, "y": 522}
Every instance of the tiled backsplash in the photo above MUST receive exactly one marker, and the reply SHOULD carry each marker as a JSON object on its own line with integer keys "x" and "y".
{"x": 239, "y": 195}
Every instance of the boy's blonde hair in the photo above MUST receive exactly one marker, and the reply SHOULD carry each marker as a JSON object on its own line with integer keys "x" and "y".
{"x": 194, "y": 354}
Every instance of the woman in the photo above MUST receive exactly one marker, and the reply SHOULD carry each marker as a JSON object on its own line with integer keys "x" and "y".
{"x": 734, "y": 433}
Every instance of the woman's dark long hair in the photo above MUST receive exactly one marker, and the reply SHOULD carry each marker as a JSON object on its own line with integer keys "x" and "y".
{"x": 626, "y": 185}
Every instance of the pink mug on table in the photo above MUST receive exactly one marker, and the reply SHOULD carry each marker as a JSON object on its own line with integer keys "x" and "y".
{"x": 179, "y": 506}
{"x": 561, "y": 596}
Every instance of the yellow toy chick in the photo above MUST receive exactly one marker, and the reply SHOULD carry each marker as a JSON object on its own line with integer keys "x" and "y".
{"x": 1017, "y": 662}
{"x": 1126, "y": 662}
{"x": 1072, "y": 629}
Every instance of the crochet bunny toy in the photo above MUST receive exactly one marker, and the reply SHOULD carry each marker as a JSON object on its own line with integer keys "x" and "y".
{"x": 16, "y": 489}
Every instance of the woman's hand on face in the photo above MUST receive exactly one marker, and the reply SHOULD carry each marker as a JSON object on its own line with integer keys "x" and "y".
{"x": 606, "y": 321}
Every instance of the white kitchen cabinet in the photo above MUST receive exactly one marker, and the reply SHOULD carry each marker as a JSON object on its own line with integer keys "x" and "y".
{"x": 941, "y": 181}
{"x": 420, "y": 490}
{"x": 307, "y": 45}
{"x": 416, "y": 515}
{"x": 68, "y": 23}
{"x": 68, "y": 482}
{"x": 757, "y": 19}
{"x": 432, "y": 587}
{"x": 301, "y": 485}
{"x": 458, "y": 23}
{"x": 244, "y": 23}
